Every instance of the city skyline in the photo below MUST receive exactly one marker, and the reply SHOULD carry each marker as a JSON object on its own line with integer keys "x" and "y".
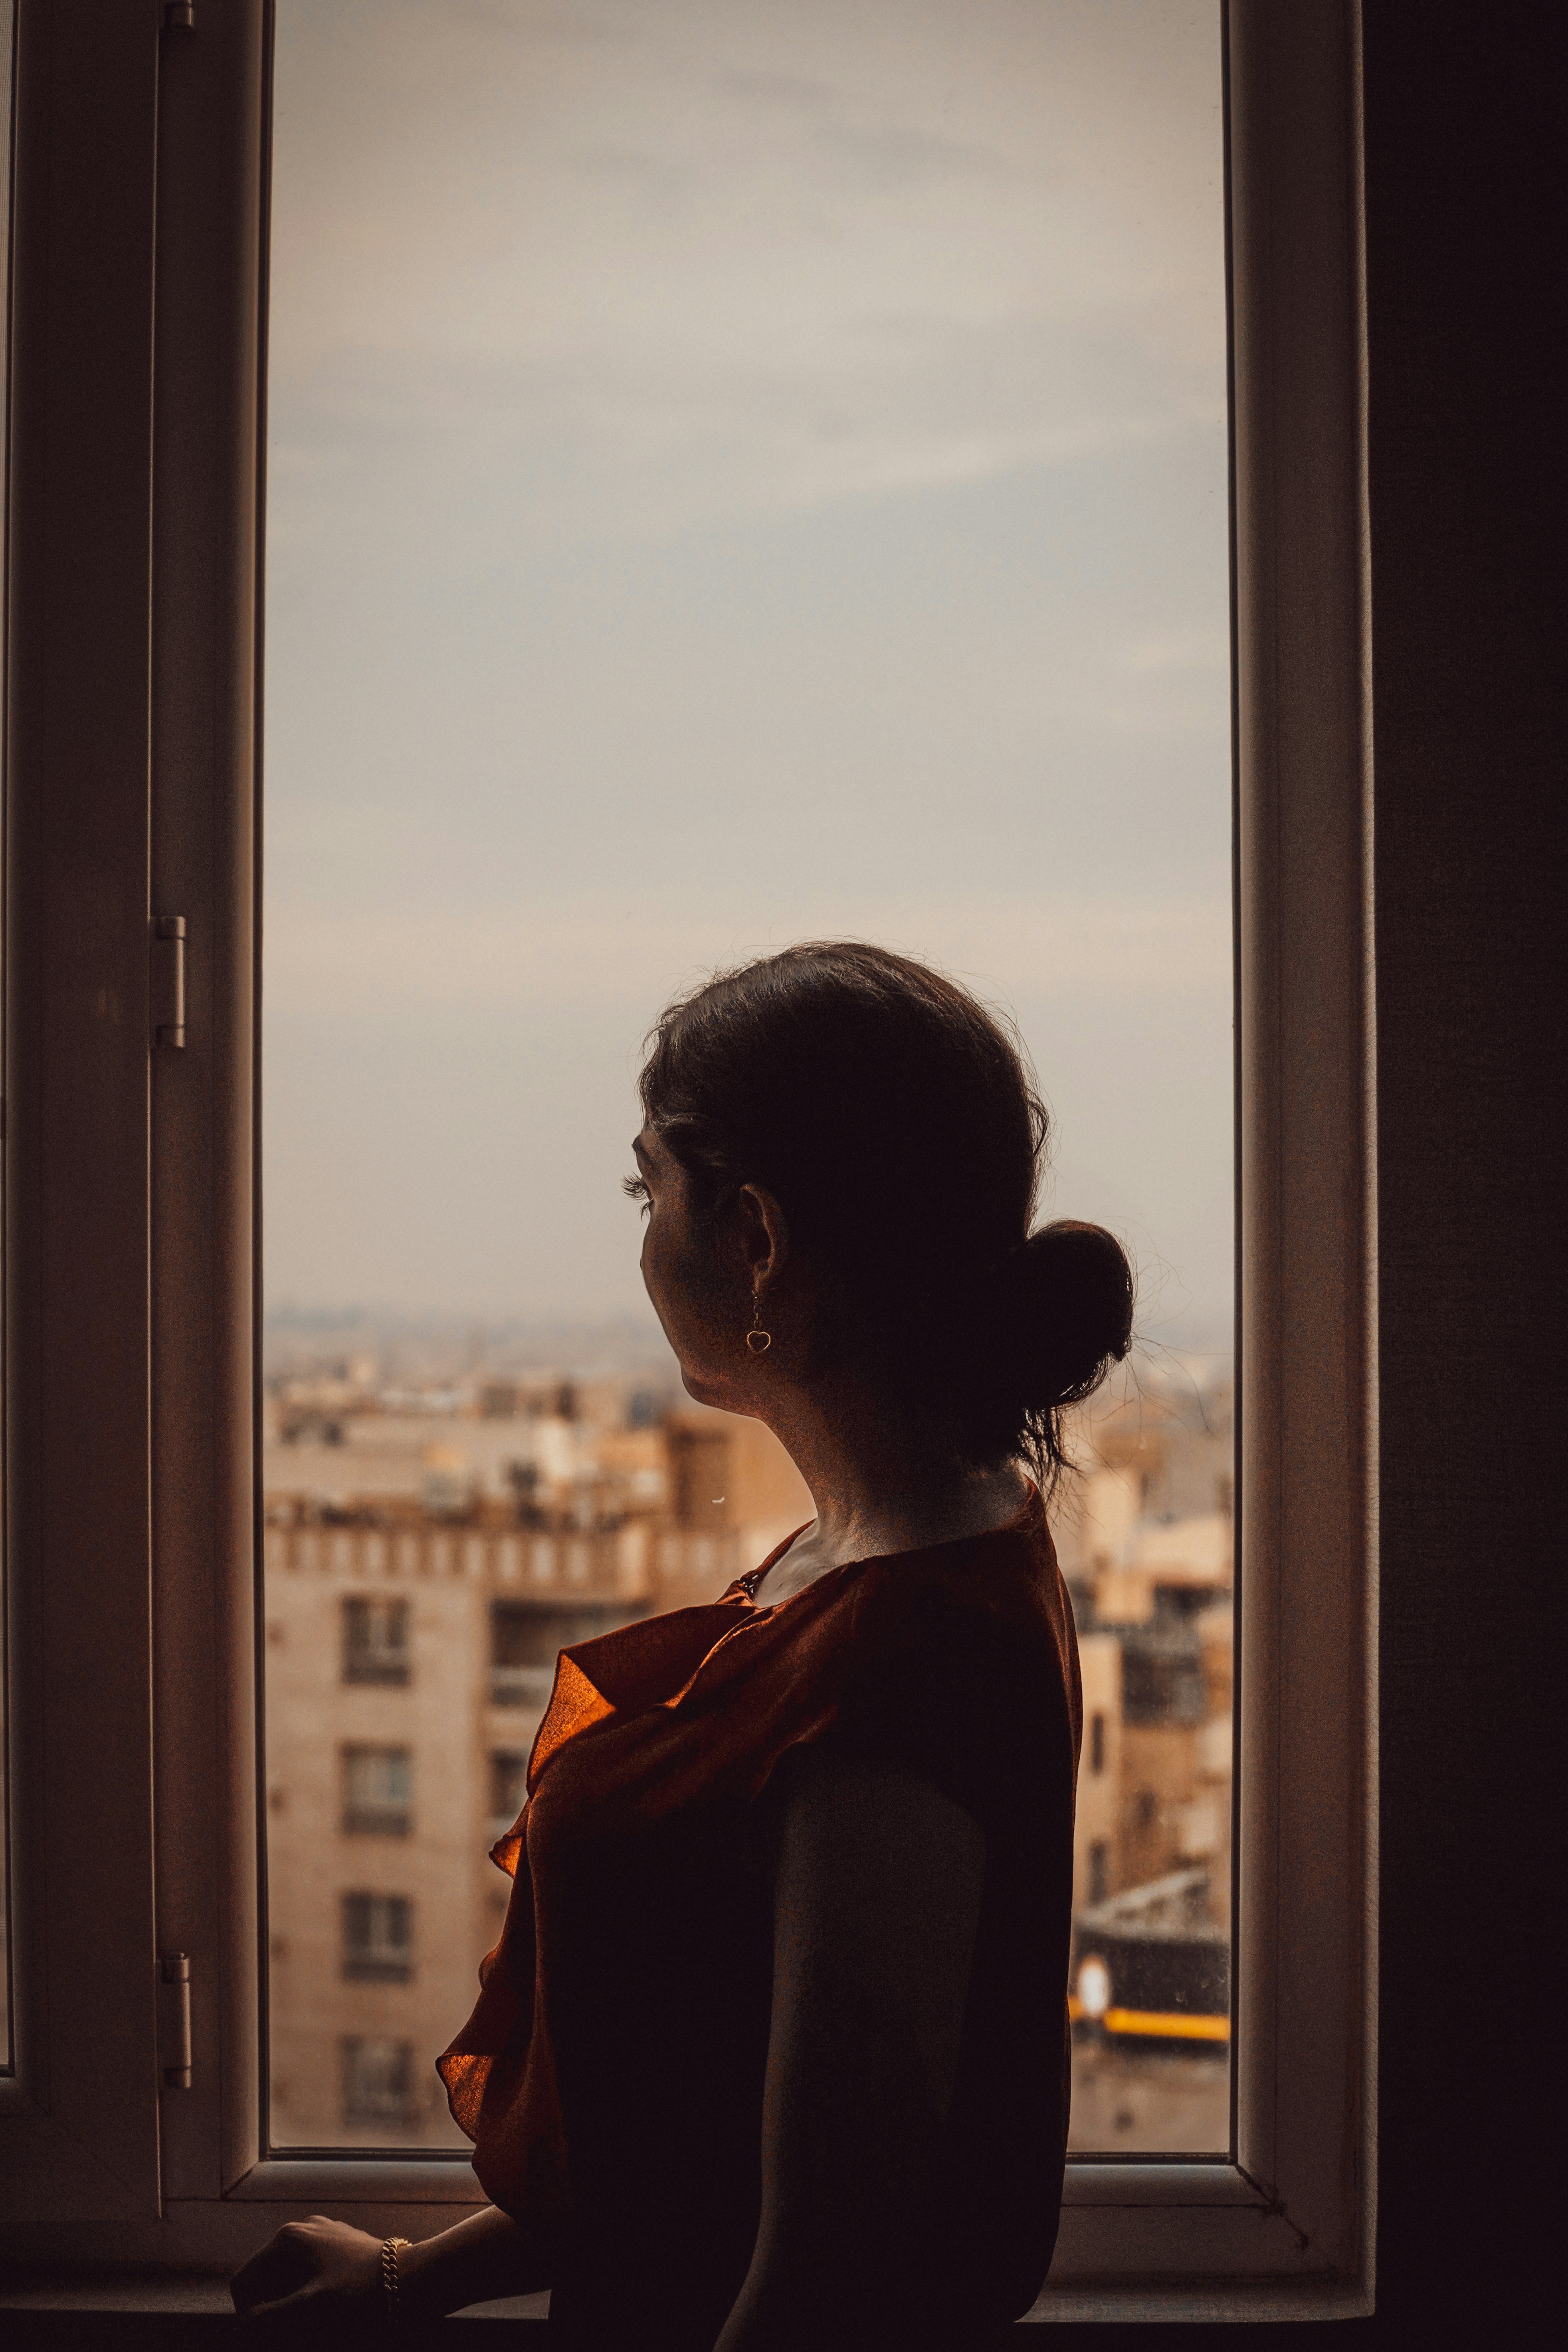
{"x": 428, "y": 1553}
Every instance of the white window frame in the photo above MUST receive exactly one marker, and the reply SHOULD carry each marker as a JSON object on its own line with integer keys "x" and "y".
{"x": 134, "y": 480}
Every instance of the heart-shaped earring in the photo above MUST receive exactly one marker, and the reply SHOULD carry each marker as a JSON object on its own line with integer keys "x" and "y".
{"x": 758, "y": 1340}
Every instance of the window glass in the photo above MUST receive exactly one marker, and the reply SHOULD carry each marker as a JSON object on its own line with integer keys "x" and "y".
{"x": 735, "y": 475}
{"x": 8, "y": 51}
{"x": 378, "y": 2080}
{"x": 376, "y": 1638}
{"x": 378, "y": 1939}
{"x": 378, "y": 1791}
{"x": 1145, "y": 1540}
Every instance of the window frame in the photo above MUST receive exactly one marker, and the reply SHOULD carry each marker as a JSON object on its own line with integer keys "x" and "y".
{"x": 138, "y": 432}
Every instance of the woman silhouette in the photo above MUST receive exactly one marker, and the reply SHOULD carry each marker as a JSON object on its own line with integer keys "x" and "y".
{"x": 772, "y": 2050}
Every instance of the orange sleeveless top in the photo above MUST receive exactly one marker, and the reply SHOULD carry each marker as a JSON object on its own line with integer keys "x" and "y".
{"x": 611, "y": 2075}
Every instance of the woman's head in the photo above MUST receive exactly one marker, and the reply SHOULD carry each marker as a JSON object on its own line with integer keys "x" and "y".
{"x": 882, "y": 1124}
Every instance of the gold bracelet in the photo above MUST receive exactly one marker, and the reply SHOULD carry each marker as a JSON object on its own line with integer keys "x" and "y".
{"x": 389, "y": 2252}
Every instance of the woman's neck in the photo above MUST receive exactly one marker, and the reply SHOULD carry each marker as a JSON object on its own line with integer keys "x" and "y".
{"x": 877, "y": 1488}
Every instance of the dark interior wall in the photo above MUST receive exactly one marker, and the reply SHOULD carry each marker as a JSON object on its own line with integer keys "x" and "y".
{"x": 1464, "y": 207}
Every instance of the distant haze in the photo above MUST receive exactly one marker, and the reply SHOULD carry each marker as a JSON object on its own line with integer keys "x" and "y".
{"x": 737, "y": 473}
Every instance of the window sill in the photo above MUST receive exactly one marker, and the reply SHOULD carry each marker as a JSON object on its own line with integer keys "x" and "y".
{"x": 85, "y": 2307}
{"x": 359, "y": 2180}
{"x": 436, "y": 2179}
{"x": 1182, "y": 2302}
{"x": 1144, "y": 2240}
{"x": 1138, "y": 2241}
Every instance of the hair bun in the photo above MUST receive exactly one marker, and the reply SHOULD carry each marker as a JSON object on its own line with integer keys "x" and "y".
{"x": 1079, "y": 1304}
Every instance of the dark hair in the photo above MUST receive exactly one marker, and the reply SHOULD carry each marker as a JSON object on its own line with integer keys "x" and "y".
{"x": 893, "y": 1119}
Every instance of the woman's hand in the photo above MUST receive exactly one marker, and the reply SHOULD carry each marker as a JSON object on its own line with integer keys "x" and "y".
{"x": 316, "y": 2269}
{"x": 327, "y": 2270}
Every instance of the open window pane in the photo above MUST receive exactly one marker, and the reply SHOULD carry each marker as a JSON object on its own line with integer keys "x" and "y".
{"x": 735, "y": 475}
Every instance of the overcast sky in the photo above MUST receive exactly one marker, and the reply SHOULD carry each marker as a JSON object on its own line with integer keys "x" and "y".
{"x": 737, "y": 472}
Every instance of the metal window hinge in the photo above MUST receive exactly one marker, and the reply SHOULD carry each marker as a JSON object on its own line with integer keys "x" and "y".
{"x": 168, "y": 996}
{"x": 174, "y": 2018}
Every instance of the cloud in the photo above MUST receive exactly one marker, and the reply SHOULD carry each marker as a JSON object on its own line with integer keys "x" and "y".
{"x": 598, "y": 950}
{"x": 898, "y": 157}
{"x": 1203, "y": 650}
{"x": 799, "y": 94}
{"x": 653, "y": 432}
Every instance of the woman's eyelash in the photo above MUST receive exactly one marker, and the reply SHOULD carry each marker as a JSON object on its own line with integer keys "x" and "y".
{"x": 635, "y": 1189}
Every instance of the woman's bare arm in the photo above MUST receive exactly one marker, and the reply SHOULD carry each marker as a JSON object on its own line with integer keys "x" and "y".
{"x": 877, "y": 1906}
{"x": 322, "y": 2270}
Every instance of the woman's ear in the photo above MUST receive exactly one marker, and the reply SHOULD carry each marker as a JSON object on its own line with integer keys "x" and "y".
{"x": 765, "y": 1232}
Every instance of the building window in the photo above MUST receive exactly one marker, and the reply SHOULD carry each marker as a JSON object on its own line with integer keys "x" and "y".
{"x": 509, "y": 1787}
{"x": 378, "y": 1938}
{"x": 375, "y": 1641}
{"x": 378, "y": 2081}
{"x": 378, "y": 1791}
{"x": 1097, "y": 1743}
{"x": 1099, "y": 1865}
{"x": 526, "y": 1641}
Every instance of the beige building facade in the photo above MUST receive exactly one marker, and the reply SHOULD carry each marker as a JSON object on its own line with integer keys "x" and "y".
{"x": 405, "y": 1677}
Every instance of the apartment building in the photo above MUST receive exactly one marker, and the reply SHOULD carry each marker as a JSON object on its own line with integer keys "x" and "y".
{"x": 406, "y": 1673}
{"x": 423, "y": 1566}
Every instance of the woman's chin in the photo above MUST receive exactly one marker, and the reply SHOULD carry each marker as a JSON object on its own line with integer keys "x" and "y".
{"x": 705, "y": 1388}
